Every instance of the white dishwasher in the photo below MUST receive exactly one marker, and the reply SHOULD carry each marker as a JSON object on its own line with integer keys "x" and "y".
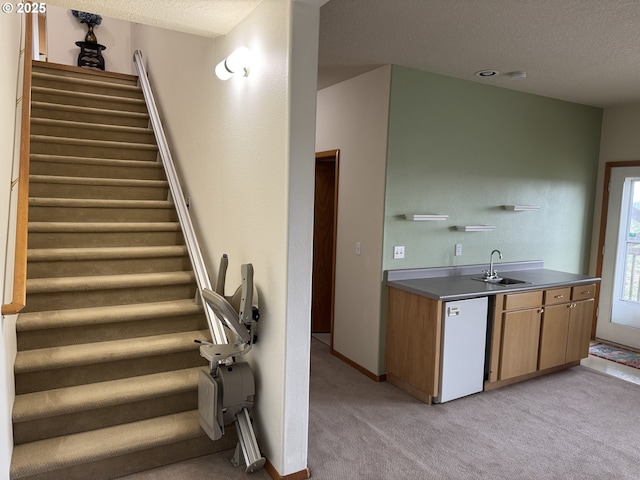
{"x": 464, "y": 339}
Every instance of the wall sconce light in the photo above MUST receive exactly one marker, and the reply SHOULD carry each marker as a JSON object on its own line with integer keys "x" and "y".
{"x": 237, "y": 62}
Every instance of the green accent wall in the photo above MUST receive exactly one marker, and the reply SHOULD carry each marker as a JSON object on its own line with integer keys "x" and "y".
{"x": 466, "y": 149}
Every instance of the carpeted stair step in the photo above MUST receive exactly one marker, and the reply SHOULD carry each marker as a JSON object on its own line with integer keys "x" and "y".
{"x": 44, "y": 164}
{"x": 78, "y": 147}
{"x": 106, "y": 366}
{"x": 103, "y": 234}
{"x": 91, "y": 131}
{"x": 66, "y": 71}
{"x": 96, "y": 210}
{"x": 91, "y": 100}
{"x": 106, "y": 290}
{"x": 107, "y": 188}
{"x": 95, "y": 324}
{"x": 65, "y": 411}
{"x": 73, "y": 262}
{"x": 70, "y": 365}
{"x": 83, "y": 114}
{"x": 116, "y": 451}
{"x": 89, "y": 84}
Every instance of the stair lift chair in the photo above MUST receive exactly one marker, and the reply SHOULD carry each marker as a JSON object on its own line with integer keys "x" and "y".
{"x": 226, "y": 392}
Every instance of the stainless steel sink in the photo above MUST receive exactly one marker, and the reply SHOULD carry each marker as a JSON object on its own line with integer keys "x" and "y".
{"x": 501, "y": 281}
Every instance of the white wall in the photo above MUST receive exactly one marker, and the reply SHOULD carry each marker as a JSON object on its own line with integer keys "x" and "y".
{"x": 10, "y": 43}
{"x": 246, "y": 155}
{"x": 353, "y": 116}
{"x": 64, "y": 30}
{"x": 620, "y": 142}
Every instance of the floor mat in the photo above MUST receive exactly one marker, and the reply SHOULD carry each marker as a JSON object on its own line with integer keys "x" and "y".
{"x": 615, "y": 354}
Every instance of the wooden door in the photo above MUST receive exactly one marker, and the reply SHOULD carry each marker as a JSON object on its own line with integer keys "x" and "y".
{"x": 324, "y": 241}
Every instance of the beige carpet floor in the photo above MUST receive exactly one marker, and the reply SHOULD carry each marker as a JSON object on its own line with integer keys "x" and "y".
{"x": 576, "y": 424}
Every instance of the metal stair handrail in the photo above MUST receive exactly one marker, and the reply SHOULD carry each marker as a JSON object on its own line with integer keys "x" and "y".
{"x": 195, "y": 254}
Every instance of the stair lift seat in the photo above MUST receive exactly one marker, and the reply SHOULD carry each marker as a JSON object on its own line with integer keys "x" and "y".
{"x": 226, "y": 392}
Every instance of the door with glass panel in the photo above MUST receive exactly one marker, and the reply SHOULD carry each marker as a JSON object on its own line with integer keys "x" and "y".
{"x": 619, "y": 310}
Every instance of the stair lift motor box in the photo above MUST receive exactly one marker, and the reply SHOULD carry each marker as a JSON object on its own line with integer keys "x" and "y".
{"x": 238, "y": 390}
{"x": 223, "y": 396}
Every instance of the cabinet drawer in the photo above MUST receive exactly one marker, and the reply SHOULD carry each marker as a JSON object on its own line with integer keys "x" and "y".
{"x": 557, "y": 295}
{"x": 515, "y": 301}
{"x": 583, "y": 292}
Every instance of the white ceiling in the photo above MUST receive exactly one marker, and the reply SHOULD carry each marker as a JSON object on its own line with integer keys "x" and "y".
{"x": 585, "y": 51}
{"x": 209, "y": 18}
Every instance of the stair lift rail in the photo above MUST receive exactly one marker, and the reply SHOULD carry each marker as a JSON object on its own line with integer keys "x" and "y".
{"x": 195, "y": 254}
{"x": 226, "y": 392}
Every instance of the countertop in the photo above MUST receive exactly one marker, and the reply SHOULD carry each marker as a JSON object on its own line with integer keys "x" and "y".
{"x": 457, "y": 283}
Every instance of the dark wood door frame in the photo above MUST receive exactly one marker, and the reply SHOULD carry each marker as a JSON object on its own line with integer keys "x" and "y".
{"x": 326, "y": 158}
{"x": 603, "y": 230}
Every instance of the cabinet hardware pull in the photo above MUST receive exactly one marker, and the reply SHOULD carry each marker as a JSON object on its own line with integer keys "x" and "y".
{"x": 559, "y": 296}
{"x": 541, "y": 310}
{"x": 585, "y": 292}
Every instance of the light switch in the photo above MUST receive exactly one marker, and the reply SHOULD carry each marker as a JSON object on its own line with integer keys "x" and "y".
{"x": 358, "y": 248}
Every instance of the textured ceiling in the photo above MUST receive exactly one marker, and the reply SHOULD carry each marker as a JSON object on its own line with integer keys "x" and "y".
{"x": 585, "y": 51}
{"x": 209, "y": 18}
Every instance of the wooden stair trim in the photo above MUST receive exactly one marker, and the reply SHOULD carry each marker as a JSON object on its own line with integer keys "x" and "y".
{"x": 19, "y": 293}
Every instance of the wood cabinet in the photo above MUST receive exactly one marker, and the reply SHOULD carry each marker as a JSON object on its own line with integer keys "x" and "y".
{"x": 414, "y": 326}
{"x": 538, "y": 331}
{"x": 518, "y": 317}
{"x": 531, "y": 333}
{"x": 519, "y": 348}
{"x": 566, "y": 328}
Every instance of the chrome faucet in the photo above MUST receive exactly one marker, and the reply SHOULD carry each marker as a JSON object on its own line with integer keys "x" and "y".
{"x": 491, "y": 274}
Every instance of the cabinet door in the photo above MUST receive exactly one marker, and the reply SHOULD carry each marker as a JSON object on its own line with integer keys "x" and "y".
{"x": 553, "y": 336}
{"x": 520, "y": 337}
{"x": 579, "y": 330}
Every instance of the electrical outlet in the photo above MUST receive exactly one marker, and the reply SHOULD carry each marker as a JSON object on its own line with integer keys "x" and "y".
{"x": 398, "y": 252}
{"x": 458, "y": 249}
{"x": 358, "y": 248}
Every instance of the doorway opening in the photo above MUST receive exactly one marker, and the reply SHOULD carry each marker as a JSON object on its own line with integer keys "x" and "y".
{"x": 618, "y": 319}
{"x": 324, "y": 245}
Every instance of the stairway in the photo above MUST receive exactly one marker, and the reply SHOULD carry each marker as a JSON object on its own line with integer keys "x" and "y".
{"x": 106, "y": 370}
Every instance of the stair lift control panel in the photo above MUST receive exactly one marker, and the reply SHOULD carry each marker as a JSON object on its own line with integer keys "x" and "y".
{"x": 226, "y": 391}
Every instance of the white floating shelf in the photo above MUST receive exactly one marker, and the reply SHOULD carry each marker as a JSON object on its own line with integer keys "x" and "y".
{"x": 418, "y": 217}
{"x": 476, "y": 228}
{"x": 521, "y": 208}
